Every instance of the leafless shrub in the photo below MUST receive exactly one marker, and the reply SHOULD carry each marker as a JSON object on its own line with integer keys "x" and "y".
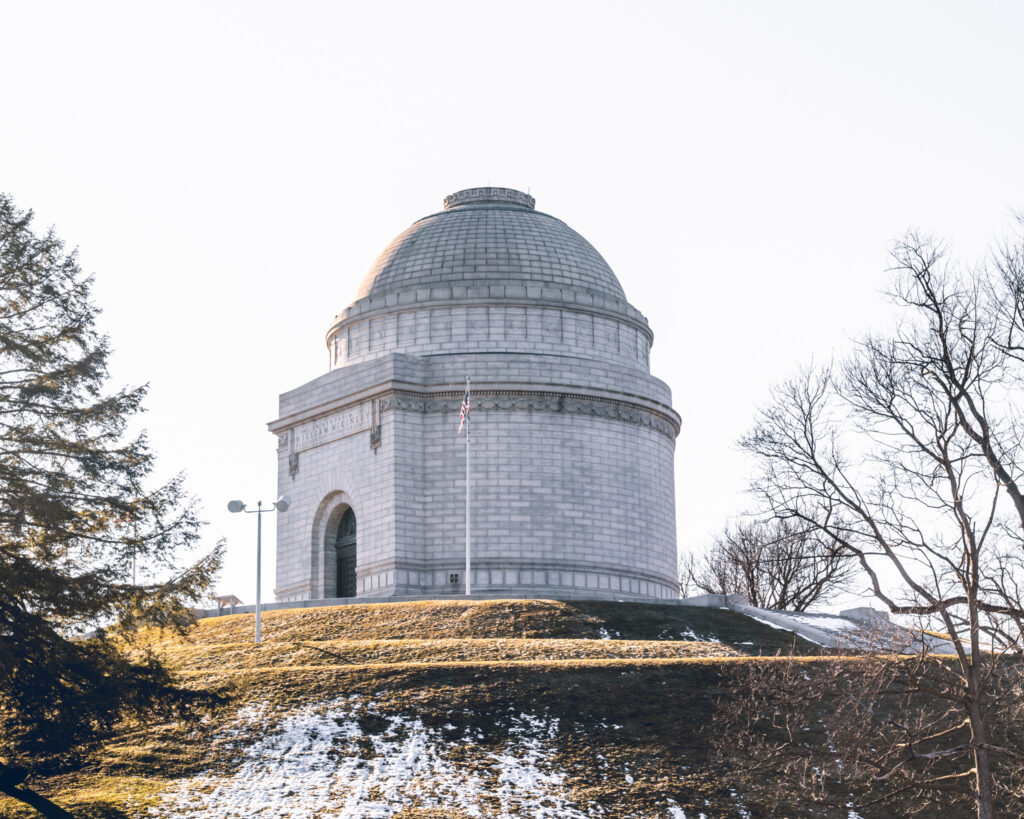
{"x": 776, "y": 564}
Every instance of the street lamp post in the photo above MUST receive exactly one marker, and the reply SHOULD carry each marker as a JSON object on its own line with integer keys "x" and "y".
{"x": 280, "y": 505}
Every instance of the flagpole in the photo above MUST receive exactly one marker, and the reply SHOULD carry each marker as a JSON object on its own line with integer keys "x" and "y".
{"x": 469, "y": 420}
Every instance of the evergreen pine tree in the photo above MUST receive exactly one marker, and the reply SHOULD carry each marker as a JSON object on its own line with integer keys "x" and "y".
{"x": 76, "y": 517}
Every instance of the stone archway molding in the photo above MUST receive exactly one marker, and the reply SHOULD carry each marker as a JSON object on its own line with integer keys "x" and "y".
{"x": 325, "y": 522}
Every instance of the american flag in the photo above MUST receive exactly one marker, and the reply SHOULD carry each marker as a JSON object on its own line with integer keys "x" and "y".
{"x": 464, "y": 412}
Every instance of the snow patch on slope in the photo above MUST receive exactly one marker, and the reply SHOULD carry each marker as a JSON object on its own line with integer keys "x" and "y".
{"x": 826, "y": 622}
{"x": 342, "y": 759}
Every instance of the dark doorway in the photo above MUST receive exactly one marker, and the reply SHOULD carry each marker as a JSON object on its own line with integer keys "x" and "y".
{"x": 346, "y": 546}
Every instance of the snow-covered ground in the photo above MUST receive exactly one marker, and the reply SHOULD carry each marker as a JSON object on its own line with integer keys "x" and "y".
{"x": 826, "y": 622}
{"x": 318, "y": 761}
{"x": 824, "y": 629}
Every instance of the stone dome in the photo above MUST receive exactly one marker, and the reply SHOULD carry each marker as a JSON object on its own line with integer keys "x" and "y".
{"x": 492, "y": 275}
{"x": 490, "y": 236}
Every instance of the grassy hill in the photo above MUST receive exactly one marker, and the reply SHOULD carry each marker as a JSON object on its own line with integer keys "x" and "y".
{"x": 437, "y": 709}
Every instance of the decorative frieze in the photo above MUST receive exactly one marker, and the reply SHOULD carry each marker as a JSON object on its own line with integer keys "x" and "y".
{"x": 528, "y": 401}
{"x": 330, "y": 428}
{"x": 368, "y": 414}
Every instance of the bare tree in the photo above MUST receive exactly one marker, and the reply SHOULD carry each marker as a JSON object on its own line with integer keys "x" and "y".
{"x": 776, "y": 564}
{"x": 910, "y": 456}
{"x": 868, "y": 732}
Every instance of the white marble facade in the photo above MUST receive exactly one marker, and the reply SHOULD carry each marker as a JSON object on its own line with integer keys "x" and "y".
{"x": 572, "y": 438}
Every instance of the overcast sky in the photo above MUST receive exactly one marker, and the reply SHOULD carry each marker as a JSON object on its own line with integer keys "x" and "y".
{"x": 229, "y": 171}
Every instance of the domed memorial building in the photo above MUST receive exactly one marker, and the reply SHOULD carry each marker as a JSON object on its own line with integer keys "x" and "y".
{"x": 572, "y": 438}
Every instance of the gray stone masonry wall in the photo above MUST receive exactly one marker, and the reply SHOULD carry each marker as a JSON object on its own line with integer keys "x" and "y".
{"x": 572, "y": 486}
{"x": 332, "y": 476}
{"x": 451, "y": 326}
{"x": 573, "y": 439}
{"x": 560, "y": 502}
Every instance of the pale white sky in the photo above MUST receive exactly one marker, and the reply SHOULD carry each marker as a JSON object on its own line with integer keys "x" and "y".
{"x": 230, "y": 170}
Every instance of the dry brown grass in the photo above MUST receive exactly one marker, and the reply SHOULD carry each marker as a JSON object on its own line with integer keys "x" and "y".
{"x": 635, "y": 704}
{"x": 497, "y": 619}
{"x": 201, "y": 657}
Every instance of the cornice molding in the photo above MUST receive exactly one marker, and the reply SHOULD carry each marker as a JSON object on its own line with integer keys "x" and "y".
{"x": 484, "y": 400}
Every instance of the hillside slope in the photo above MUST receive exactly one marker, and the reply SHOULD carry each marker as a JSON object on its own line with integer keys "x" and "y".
{"x": 442, "y": 709}
{"x": 497, "y": 619}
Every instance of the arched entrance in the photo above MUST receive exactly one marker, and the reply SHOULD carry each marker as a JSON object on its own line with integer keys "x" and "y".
{"x": 345, "y": 546}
